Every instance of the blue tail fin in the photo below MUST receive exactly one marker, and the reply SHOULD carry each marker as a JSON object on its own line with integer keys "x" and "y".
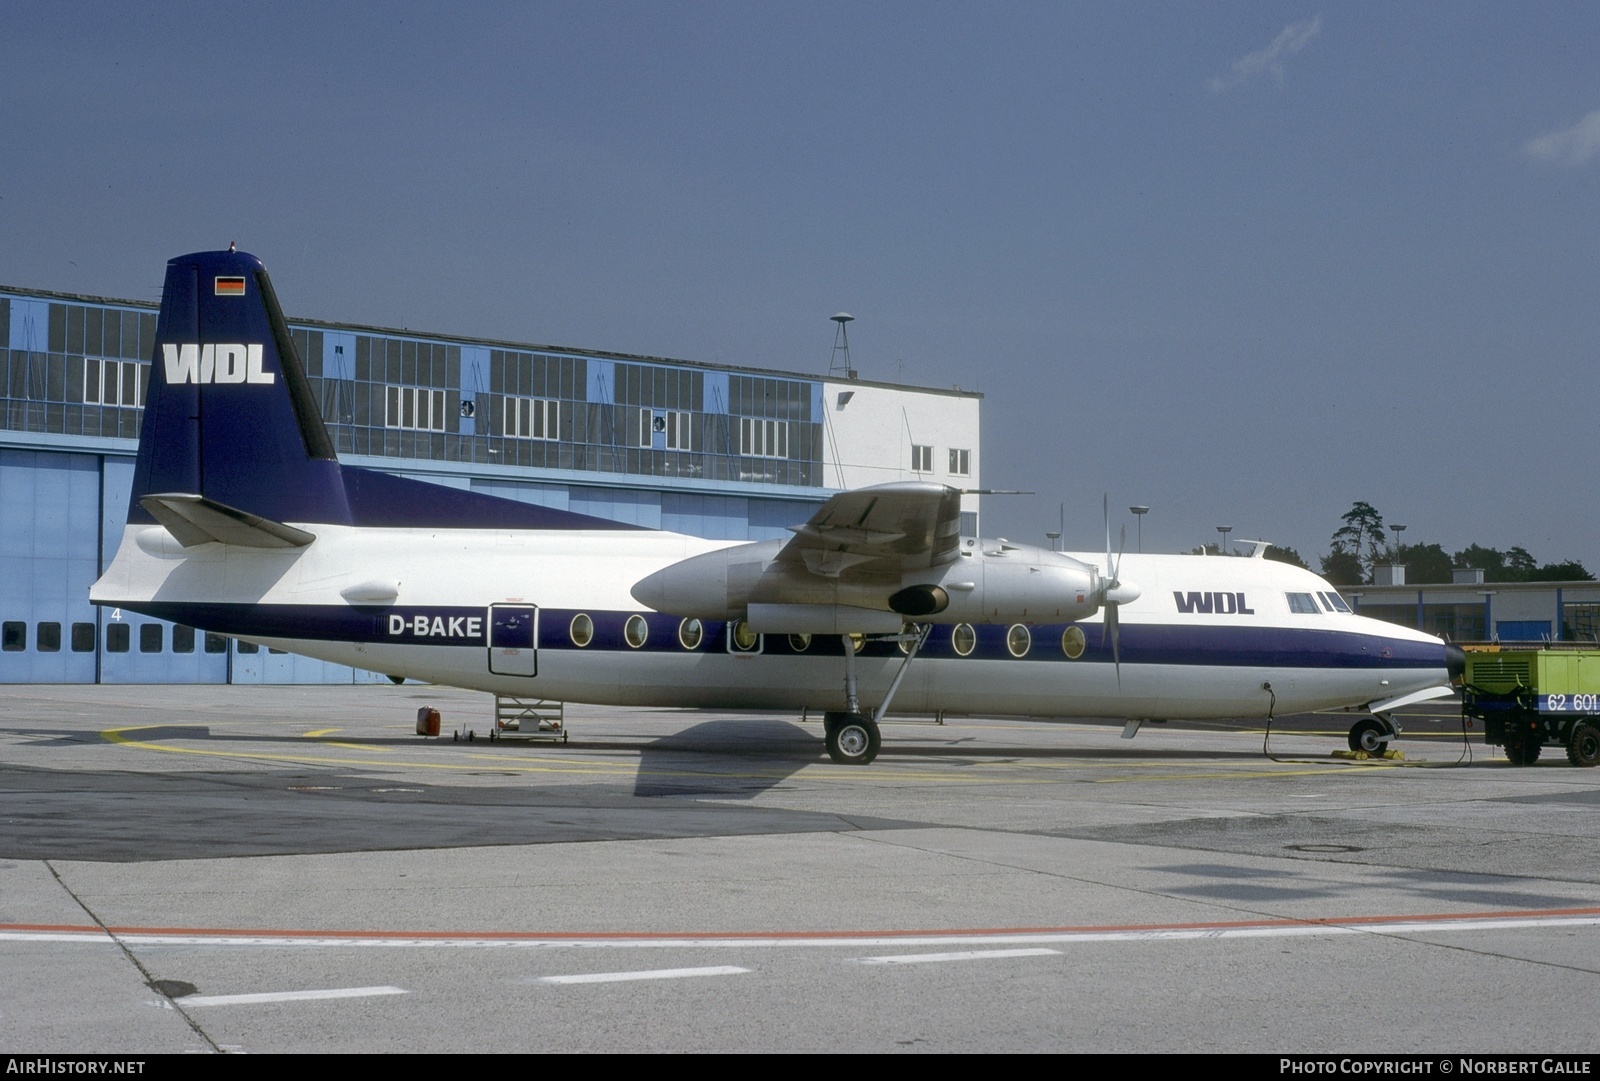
{"x": 229, "y": 415}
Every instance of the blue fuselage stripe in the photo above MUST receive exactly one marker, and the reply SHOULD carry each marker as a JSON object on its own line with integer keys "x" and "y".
{"x": 1140, "y": 643}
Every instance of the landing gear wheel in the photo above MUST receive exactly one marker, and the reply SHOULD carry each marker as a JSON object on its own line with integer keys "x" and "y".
{"x": 852, "y": 739}
{"x": 1369, "y": 736}
{"x": 1522, "y": 749}
{"x": 1583, "y": 745}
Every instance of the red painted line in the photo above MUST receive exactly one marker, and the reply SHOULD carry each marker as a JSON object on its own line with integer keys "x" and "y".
{"x": 801, "y": 936}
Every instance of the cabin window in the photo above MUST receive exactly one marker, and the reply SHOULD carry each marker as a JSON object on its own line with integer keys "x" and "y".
{"x": 963, "y": 639}
{"x": 908, "y": 637}
{"x": 1303, "y": 604}
{"x": 1073, "y": 642}
{"x": 581, "y": 630}
{"x": 1018, "y": 640}
{"x": 741, "y": 638}
{"x": 690, "y": 633}
{"x": 635, "y": 631}
{"x": 799, "y": 642}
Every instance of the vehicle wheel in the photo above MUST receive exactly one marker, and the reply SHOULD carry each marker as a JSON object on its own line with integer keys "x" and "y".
{"x": 1369, "y": 736}
{"x": 1583, "y": 745}
{"x": 1522, "y": 749}
{"x": 854, "y": 742}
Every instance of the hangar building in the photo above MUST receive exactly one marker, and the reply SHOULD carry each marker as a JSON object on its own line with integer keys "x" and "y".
{"x": 712, "y": 450}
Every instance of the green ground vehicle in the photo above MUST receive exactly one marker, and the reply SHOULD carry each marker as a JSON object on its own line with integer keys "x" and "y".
{"x": 1527, "y": 698}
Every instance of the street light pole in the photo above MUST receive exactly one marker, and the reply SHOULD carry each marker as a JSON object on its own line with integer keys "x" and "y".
{"x": 1138, "y": 516}
{"x": 1224, "y": 530}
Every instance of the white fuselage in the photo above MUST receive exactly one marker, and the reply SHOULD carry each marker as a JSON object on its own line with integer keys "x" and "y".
{"x": 422, "y": 603}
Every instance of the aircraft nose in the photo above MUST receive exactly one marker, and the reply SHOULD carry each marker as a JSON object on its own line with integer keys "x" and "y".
{"x": 1455, "y": 662}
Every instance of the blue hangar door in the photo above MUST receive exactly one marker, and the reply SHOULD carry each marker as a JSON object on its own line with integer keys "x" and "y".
{"x": 513, "y": 637}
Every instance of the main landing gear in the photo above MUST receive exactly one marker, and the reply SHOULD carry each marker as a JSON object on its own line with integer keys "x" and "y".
{"x": 853, "y": 737}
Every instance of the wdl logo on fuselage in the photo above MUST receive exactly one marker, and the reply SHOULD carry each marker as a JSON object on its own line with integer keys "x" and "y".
{"x": 193, "y": 363}
{"x": 1212, "y": 604}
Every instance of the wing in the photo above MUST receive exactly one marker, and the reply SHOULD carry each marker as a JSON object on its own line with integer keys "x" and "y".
{"x": 885, "y": 529}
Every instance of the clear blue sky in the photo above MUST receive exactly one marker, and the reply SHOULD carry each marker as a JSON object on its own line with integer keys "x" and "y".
{"x": 1244, "y": 263}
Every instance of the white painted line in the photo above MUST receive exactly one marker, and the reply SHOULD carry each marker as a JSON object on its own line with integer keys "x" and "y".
{"x": 966, "y": 955}
{"x": 286, "y": 996}
{"x": 1440, "y": 924}
{"x": 650, "y": 974}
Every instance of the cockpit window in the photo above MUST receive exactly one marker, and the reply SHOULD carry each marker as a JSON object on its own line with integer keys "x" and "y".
{"x": 1303, "y": 604}
{"x": 1334, "y": 603}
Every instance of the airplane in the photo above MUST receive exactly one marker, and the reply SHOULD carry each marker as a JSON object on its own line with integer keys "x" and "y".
{"x": 243, "y": 522}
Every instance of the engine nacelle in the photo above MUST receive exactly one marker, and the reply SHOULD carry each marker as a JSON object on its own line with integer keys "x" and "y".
{"x": 990, "y": 582}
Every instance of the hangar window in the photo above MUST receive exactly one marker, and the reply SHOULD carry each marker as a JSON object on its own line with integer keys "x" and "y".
{"x": 1303, "y": 604}
{"x": 1073, "y": 642}
{"x": 1018, "y": 640}
{"x": 921, "y": 459}
{"x": 532, "y": 418}
{"x": 48, "y": 638}
{"x": 763, "y": 438}
{"x": 246, "y": 647}
{"x": 112, "y": 382}
{"x": 117, "y": 638}
{"x": 83, "y": 637}
{"x": 674, "y": 426}
{"x": 963, "y": 639}
{"x": 150, "y": 638}
{"x": 960, "y": 462}
{"x": 215, "y": 643}
{"x": 690, "y": 632}
{"x": 13, "y": 636}
{"x": 182, "y": 639}
{"x": 417, "y": 408}
{"x": 581, "y": 630}
{"x": 636, "y": 630}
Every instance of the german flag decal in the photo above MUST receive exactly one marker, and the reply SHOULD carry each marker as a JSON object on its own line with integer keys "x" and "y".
{"x": 230, "y": 287}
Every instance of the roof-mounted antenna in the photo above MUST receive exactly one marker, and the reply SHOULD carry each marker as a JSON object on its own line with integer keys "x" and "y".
{"x": 840, "y": 366}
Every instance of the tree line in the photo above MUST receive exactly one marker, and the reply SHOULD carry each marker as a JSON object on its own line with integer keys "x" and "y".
{"x": 1360, "y": 544}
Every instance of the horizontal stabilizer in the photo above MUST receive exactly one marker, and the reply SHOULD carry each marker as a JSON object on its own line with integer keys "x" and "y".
{"x": 194, "y": 519}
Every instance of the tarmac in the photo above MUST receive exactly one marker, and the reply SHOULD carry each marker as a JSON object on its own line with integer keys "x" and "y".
{"x": 282, "y": 869}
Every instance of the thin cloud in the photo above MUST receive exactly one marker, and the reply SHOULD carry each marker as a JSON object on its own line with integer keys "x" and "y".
{"x": 1289, "y": 41}
{"x": 1569, "y": 146}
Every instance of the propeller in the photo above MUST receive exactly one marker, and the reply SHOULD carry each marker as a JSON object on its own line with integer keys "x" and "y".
{"x": 1113, "y": 591}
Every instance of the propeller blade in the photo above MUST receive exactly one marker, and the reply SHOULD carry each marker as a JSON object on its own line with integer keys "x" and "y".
{"x": 1115, "y": 621}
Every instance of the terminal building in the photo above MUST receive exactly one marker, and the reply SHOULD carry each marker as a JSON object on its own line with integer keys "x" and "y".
{"x": 1472, "y": 610}
{"x": 715, "y": 451}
